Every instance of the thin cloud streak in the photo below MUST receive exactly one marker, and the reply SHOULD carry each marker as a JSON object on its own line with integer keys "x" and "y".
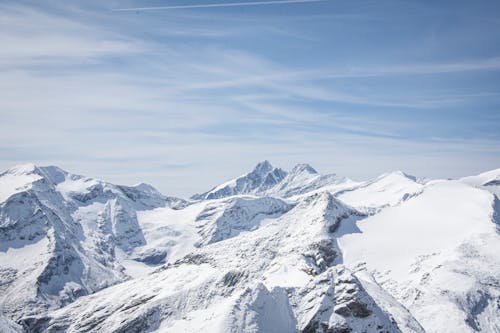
{"x": 212, "y": 5}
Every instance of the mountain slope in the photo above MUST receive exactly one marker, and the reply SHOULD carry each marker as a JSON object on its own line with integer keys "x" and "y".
{"x": 439, "y": 257}
{"x": 217, "y": 286}
{"x": 59, "y": 234}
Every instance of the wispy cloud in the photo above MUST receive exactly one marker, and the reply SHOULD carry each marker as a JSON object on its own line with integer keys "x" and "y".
{"x": 33, "y": 37}
{"x": 178, "y": 97}
{"x": 216, "y": 5}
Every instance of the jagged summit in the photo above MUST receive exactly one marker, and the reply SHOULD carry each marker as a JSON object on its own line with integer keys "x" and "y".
{"x": 263, "y": 167}
{"x": 263, "y": 177}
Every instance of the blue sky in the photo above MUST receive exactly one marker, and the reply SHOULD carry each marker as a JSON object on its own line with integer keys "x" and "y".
{"x": 186, "y": 98}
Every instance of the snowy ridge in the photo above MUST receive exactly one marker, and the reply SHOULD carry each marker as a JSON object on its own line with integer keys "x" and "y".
{"x": 271, "y": 251}
{"x": 389, "y": 189}
{"x": 265, "y": 179}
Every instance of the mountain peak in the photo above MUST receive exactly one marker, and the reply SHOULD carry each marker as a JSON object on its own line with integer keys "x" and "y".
{"x": 51, "y": 172}
{"x": 261, "y": 178}
{"x": 263, "y": 167}
{"x": 22, "y": 169}
{"x": 303, "y": 167}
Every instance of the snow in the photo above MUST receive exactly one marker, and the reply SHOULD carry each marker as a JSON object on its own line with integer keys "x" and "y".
{"x": 386, "y": 190}
{"x": 419, "y": 226}
{"x": 75, "y": 185}
{"x": 21, "y": 257}
{"x": 271, "y": 252}
{"x": 211, "y": 319}
{"x": 280, "y": 275}
{"x": 482, "y": 178}
{"x": 16, "y": 180}
{"x": 170, "y": 229}
{"x": 489, "y": 181}
{"x": 432, "y": 253}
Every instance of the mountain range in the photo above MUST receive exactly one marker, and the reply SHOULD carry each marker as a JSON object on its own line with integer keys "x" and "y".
{"x": 269, "y": 251}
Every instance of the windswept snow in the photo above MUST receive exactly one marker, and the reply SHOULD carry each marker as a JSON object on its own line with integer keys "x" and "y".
{"x": 485, "y": 178}
{"x": 416, "y": 249}
{"x": 386, "y": 190}
{"x": 420, "y": 227}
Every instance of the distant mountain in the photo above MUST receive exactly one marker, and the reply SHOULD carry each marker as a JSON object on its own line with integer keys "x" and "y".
{"x": 303, "y": 178}
{"x": 268, "y": 180}
{"x": 270, "y": 251}
{"x": 263, "y": 177}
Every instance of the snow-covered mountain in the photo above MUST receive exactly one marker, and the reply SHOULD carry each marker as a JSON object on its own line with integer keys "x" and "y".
{"x": 61, "y": 235}
{"x": 263, "y": 177}
{"x": 270, "y": 251}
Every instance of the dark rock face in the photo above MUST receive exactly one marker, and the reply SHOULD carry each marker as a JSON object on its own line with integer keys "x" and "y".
{"x": 320, "y": 327}
{"x": 322, "y": 256}
{"x": 194, "y": 259}
{"x": 149, "y": 321}
{"x": 349, "y": 298}
{"x": 495, "y": 182}
{"x": 35, "y": 324}
{"x": 154, "y": 257}
{"x": 353, "y": 308}
{"x": 336, "y": 302}
{"x": 231, "y": 278}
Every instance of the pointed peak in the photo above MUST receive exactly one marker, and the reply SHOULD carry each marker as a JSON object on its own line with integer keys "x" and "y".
{"x": 263, "y": 167}
{"x": 304, "y": 167}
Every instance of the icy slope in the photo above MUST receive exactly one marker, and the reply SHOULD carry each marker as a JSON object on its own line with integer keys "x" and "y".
{"x": 489, "y": 181}
{"x": 172, "y": 233}
{"x": 387, "y": 190}
{"x": 436, "y": 254}
{"x": 491, "y": 177}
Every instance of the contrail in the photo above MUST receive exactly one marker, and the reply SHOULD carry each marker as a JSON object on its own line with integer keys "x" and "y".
{"x": 227, "y": 4}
